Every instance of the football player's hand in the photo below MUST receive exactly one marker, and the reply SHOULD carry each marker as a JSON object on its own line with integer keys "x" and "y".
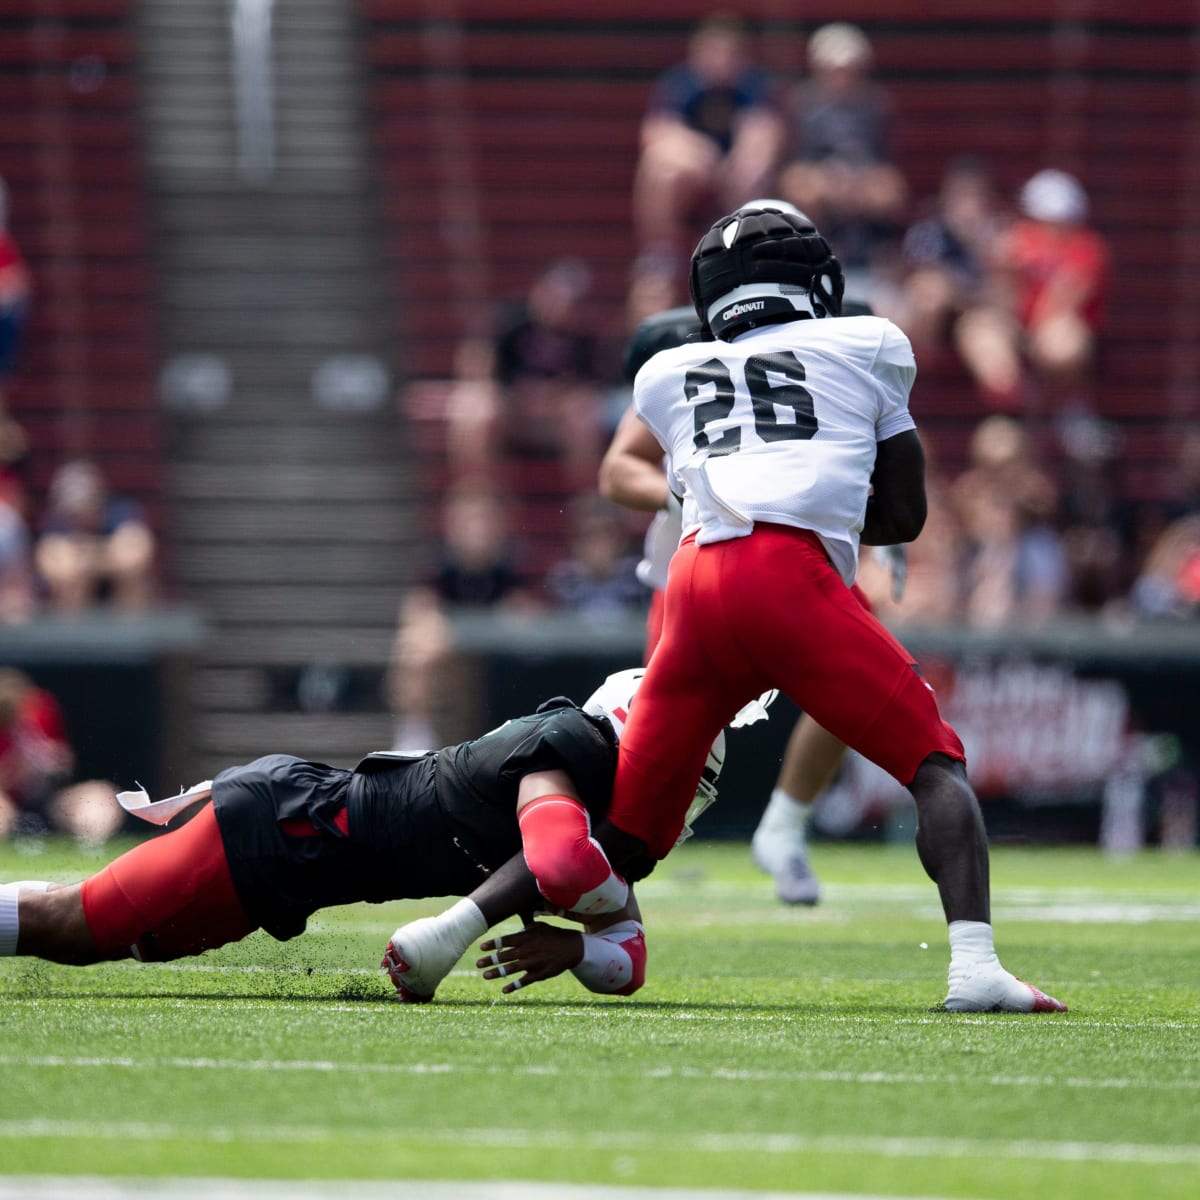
{"x": 540, "y": 951}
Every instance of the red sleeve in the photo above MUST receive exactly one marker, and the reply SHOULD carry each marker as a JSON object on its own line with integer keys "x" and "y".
{"x": 571, "y": 869}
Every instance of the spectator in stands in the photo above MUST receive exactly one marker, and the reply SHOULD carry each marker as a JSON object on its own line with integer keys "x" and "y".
{"x": 93, "y": 547}
{"x": 946, "y": 254}
{"x": 15, "y": 291}
{"x": 1098, "y": 525}
{"x": 840, "y": 171}
{"x": 1015, "y": 568}
{"x": 598, "y": 577}
{"x": 17, "y": 595}
{"x": 1037, "y": 329}
{"x": 36, "y": 761}
{"x": 530, "y": 391}
{"x": 710, "y": 139}
{"x": 475, "y": 570}
{"x": 1169, "y": 532}
{"x": 1169, "y": 583}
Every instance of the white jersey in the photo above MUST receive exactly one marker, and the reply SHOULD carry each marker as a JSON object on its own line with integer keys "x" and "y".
{"x": 780, "y": 425}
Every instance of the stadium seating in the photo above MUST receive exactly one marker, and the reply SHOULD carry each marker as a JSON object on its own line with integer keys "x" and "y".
{"x": 507, "y": 135}
{"x": 70, "y": 155}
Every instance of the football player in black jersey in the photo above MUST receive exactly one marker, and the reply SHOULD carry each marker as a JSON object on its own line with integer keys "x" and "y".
{"x": 281, "y": 837}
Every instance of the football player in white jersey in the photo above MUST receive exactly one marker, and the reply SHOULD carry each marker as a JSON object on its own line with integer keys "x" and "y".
{"x": 632, "y": 474}
{"x": 788, "y": 439}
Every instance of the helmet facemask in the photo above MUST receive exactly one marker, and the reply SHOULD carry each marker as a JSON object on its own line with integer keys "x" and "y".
{"x": 613, "y": 699}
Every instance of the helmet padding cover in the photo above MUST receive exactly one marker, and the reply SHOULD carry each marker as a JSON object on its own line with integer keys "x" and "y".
{"x": 759, "y": 266}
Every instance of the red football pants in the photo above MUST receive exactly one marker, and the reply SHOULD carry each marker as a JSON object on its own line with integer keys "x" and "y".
{"x": 168, "y": 897}
{"x": 750, "y": 614}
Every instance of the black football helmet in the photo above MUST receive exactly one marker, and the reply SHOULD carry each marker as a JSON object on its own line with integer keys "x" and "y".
{"x": 662, "y": 331}
{"x": 762, "y": 265}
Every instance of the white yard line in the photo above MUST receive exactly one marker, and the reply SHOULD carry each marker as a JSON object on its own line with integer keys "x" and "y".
{"x": 71, "y": 1188}
{"x": 629, "y": 1141}
{"x": 723, "y": 1074}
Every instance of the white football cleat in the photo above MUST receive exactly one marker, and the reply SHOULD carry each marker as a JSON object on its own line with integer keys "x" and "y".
{"x": 987, "y": 987}
{"x": 764, "y": 850}
{"x": 787, "y": 864}
{"x": 418, "y": 957}
{"x": 795, "y": 882}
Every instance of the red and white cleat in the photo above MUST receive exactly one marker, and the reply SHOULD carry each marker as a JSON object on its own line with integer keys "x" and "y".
{"x": 988, "y": 987}
{"x": 1042, "y": 1002}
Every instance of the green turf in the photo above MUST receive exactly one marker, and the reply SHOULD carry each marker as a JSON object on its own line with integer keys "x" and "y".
{"x": 771, "y": 1048}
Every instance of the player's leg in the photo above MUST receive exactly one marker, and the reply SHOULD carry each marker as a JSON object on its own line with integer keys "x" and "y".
{"x": 949, "y": 822}
{"x": 867, "y": 692}
{"x": 664, "y": 747}
{"x": 951, "y": 838}
{"x": 36, "y": 914}
{"x": 780, "y": 843}
{"x": 50, "y": 924}
{"x": 694, "y": 685}
{"x": 840, "y": 665}
{"x": 169, "y": 897}
{"x": 851, "y": 676}
{"x": 654, "y": 623}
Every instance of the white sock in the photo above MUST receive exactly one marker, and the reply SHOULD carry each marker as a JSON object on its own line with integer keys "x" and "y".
{"x": 8, "y": 920}
{"x": 970, "y": 942}
{"x": 784, "y": 811}
{"x": 10, "y": 917}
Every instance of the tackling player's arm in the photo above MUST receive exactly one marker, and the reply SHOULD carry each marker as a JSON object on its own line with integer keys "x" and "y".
{"x": 896, "y": 507}
{"x": 608, "y": 956}
{"x": 572, "y": 872}
{"x": 631, "y": 472}
{"x": 420, "y": 954}
{"x": 511, "y": 889}
{"x": 571, "y": 869}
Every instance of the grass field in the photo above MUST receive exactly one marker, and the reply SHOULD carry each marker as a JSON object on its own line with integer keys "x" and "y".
{"x": 772, "y": 1049}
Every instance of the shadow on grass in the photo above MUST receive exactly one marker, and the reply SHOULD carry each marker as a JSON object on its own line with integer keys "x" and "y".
{"x": 366, "y": 993}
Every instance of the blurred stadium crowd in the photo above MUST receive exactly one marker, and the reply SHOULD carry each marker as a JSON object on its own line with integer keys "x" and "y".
{"x": 1004, "y": 280}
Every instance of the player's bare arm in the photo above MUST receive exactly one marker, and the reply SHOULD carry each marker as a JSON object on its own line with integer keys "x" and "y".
{"x": 571, "y": 869}
{"x": 896, "y": 508}
{"x": 574, "y": 872}
{"x": 562, "y": 863}
{"x": 631, "y": 472}
{"x": 607, "y": 954}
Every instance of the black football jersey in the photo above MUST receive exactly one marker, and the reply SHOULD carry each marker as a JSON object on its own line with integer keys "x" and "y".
{"x": 476, "y": 782}
{"x": 431, "y": 825}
